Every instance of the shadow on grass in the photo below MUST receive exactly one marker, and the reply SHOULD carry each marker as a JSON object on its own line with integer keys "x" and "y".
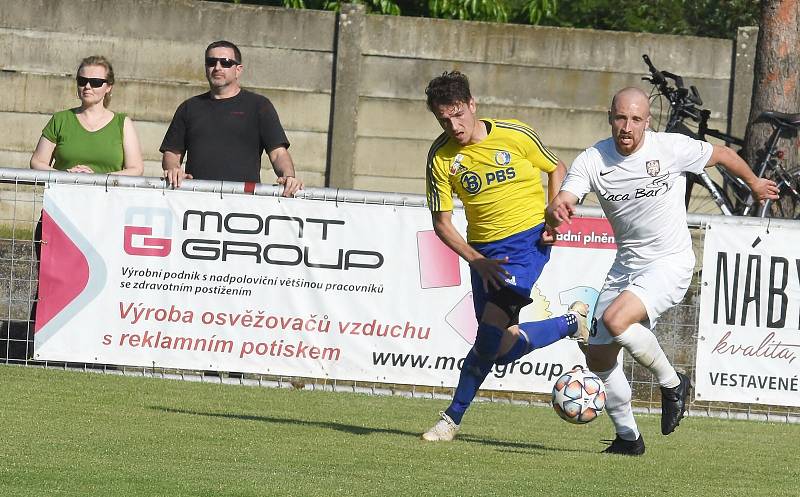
{"x": 515, "y": 447}
{"x": 351, "y": 429}
{"x": 364, "y": 430}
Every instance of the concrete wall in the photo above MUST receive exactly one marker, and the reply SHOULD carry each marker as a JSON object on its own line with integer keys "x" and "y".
{"x": 559, "y": 81}
{"x": 349, "y": 88}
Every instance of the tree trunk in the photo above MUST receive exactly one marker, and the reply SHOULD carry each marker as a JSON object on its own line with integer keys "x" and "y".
{"x": 776, "y": 76}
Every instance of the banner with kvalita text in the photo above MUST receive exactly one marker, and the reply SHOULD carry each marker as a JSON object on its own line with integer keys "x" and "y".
{"x": 749, "y": 333}
{"x": 293, "y": 287}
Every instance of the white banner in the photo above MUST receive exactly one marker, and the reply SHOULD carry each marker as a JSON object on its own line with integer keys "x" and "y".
{"x": 749, "y": 334}
{"x": 280, "y": 286}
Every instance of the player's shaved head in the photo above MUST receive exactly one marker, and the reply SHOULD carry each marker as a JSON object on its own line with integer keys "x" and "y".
{"x": 631, "y": 94}
{"x": 629, "y": 117}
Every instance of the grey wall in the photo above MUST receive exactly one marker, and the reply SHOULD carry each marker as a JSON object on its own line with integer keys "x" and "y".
{"x": 559, "y": 81}
{"x": 371, "y": 70}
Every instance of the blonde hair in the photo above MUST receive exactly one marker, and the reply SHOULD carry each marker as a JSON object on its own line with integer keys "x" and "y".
{"x": 99, "y": 60}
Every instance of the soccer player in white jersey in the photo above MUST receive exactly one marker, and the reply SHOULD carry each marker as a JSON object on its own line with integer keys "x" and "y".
{"x": 639, "y": 178}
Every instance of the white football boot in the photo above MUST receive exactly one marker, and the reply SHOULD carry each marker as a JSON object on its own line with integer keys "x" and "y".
{"x": 444, "y": 430}
{"x": 580, "y": 310}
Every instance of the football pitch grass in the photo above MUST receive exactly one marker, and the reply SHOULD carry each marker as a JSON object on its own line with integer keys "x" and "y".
{"x": 68, "y": 433}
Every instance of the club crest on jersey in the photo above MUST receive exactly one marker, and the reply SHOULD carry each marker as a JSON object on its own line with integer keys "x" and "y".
{"x": 456, "y": 167}
{"x": 652, "y": 167}
{"x": 502, "y": 157}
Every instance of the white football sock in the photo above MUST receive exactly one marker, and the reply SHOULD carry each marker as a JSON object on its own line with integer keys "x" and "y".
{"x": 618, "y": 402}
{"x": 643, "y": 345}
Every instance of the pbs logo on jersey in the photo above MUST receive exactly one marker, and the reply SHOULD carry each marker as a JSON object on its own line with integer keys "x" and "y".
{"x": 579, "y": 396}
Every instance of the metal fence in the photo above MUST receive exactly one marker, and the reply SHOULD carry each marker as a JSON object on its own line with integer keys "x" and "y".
{"x": 21, "y": 193}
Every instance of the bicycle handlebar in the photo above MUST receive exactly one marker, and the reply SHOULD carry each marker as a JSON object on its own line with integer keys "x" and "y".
{"x": 685, "y": 103}
{"x": 674, "y": 77}
{"x": 658, "y": 78}
{"x": 681, "y": 99}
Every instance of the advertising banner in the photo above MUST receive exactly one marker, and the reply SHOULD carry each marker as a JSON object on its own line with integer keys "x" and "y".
{"x": 279, "y": 286}
{"x": 749, "y": 332}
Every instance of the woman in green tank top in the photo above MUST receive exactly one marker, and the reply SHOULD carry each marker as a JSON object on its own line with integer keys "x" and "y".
{"x": 90, "y": 138}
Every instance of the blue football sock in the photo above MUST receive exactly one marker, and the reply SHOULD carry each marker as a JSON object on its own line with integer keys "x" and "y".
{"x": 473, "y": 372}
{"x": 476, "y": 367}
{"x": 543, "y": 333}
{"x": 539, "y": 334}
{"x": 521, "y": 347}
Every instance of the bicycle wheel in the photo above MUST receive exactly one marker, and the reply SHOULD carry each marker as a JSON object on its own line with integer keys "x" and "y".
{"x": 700, "y": 200}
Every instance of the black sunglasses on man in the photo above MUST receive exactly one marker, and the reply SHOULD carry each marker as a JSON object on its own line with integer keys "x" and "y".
{"x": 223, "y": 61}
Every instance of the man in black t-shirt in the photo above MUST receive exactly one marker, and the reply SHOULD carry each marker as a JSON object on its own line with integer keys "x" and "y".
{"x": 224, "y": 131}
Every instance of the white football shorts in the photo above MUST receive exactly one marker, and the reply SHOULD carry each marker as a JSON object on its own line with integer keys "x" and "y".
{"x": 660, "y": 286}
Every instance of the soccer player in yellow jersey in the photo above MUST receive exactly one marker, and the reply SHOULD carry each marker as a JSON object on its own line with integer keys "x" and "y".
{"x": 494, "y": 166}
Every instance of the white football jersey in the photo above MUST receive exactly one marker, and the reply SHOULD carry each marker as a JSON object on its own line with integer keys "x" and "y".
{"x": 642, "y": 194}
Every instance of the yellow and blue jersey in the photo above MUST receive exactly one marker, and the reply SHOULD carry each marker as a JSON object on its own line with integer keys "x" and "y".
{"x": 498, "y": 179}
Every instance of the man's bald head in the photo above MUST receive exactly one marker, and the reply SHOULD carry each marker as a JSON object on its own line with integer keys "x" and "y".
{"x": 629, "y": 118}
{"x": 629, "y": 95}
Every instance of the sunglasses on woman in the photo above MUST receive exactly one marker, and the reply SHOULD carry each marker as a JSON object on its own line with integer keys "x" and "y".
{"x": 223, "y": 61}
{"x": 93, "y": 82}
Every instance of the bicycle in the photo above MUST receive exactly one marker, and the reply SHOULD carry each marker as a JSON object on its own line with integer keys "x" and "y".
{"x": 730, "y": 196}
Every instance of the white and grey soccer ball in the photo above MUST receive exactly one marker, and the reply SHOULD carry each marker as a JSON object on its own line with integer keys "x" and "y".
{"x": 579, "y": 396}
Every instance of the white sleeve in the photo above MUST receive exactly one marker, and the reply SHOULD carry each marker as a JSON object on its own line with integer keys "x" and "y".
{"x": 690, "y": 155}
{"x": 578, "y": 180}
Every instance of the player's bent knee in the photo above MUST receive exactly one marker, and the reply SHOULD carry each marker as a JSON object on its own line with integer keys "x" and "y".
{"x": 614, "y": 322}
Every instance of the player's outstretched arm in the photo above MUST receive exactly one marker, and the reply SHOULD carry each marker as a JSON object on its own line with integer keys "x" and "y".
{"x": 762, "y": 188}
{"x": 561, "y": 209}
{"x": 490, "y": 270}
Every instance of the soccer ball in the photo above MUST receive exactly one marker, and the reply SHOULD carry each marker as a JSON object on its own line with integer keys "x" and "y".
{"x": 579, "y": 396}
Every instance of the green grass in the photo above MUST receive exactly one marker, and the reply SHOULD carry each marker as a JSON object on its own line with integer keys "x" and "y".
{"x": 69, "y": 433}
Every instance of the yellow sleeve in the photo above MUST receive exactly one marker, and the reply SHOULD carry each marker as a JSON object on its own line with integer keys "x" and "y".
{"x": 437, "y": 180}
{"x": 540, "y": 156}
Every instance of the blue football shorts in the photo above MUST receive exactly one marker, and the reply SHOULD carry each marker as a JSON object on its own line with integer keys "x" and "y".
{"x": 526, "y": 259}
